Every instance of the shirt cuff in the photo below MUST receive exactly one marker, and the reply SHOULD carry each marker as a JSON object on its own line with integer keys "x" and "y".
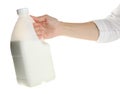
{"x": 107, "y": 31}
{"x": 100, "y": 25}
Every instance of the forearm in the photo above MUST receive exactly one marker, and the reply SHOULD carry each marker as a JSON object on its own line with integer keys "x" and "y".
{"x": 87, "y": 30}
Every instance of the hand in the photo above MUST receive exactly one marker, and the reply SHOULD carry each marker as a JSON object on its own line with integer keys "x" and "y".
{"x": 46, "y": 26}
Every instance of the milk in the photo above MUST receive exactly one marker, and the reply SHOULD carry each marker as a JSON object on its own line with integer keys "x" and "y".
{"x": 31, "y": 56}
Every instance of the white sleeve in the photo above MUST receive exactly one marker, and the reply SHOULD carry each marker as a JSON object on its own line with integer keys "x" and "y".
{"x": 109, "y": 28}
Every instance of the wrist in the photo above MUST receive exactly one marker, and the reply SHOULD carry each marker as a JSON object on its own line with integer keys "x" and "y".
{"x": 62, "y": 28}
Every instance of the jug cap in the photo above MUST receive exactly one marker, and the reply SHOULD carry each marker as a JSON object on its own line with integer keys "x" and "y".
{"x": 22, "y": 11}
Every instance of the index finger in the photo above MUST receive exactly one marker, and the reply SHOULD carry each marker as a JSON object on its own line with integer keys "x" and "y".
{"x": 35, "y": 19}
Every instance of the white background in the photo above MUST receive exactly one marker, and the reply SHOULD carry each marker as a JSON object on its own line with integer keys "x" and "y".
{"x": 82, "y": 67}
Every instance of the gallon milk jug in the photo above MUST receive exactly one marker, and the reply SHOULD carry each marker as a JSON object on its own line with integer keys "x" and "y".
{"x": 31, "y": 56}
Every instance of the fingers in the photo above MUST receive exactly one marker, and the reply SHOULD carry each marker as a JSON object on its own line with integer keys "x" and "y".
{"x": 35, "y": 19}
{"x": 40, "y": 25}
{"x": 39, "y": 29}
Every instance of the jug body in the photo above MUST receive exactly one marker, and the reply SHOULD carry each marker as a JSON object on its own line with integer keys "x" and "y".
{"x": 32, "y": 57}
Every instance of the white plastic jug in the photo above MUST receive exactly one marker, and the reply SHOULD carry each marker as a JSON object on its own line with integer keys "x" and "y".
{"x": 31, "y": 56}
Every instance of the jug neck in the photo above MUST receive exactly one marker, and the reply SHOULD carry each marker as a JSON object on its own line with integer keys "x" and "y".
{"x": 23, "y": 15}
